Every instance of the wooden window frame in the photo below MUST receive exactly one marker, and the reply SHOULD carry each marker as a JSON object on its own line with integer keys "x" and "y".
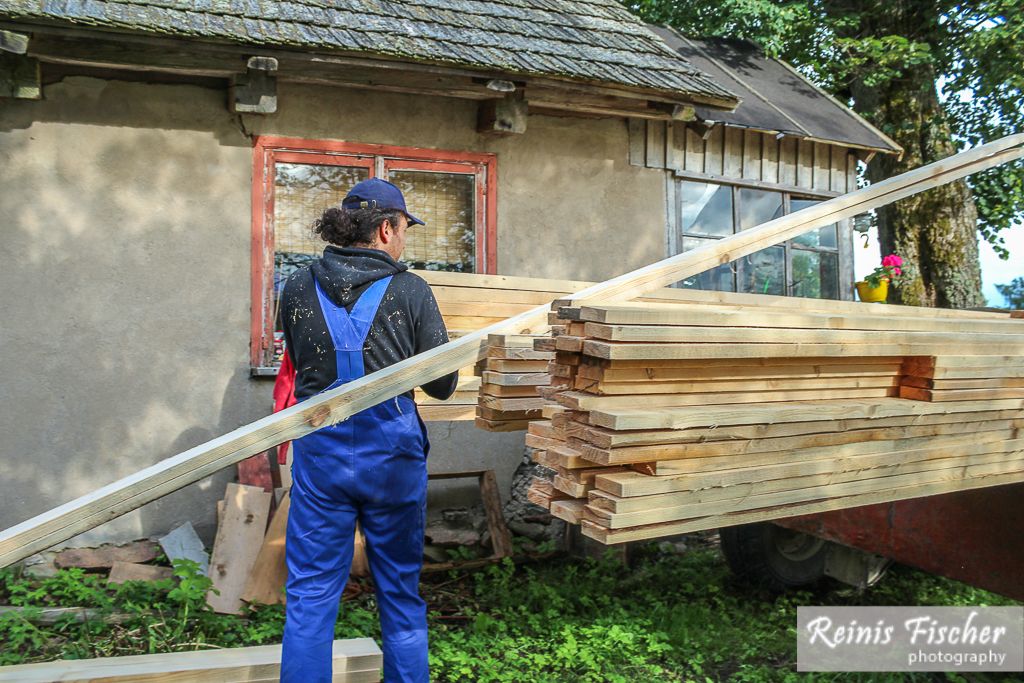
{"x": 377, "y": 159}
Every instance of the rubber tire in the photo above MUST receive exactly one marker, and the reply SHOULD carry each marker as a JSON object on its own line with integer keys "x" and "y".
{"x": 773, "y": 557}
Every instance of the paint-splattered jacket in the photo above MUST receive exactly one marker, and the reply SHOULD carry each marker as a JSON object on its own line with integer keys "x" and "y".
{"x": 407, "y": 322}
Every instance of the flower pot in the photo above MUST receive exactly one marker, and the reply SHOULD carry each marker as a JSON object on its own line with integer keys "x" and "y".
{"x": 873, "y": 295}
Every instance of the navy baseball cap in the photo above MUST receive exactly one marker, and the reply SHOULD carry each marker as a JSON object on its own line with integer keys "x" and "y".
{"x": 379, "y": 194}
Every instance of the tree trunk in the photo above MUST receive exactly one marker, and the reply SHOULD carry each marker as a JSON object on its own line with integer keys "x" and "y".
{"x": 935, "y": 232}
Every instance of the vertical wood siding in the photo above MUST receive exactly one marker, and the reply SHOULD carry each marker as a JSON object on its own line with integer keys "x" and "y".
{"x": 730, "y": 153}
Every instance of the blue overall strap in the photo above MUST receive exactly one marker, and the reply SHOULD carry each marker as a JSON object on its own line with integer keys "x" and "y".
{"x": 349, "y": 330}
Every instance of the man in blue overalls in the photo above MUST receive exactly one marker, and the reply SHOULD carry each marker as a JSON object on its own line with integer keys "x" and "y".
{"x": 354, "y": 311}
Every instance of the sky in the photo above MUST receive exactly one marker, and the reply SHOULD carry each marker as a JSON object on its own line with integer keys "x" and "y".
{"x": 993, "y": 269}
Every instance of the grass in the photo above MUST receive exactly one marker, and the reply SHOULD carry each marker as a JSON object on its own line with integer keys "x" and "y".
{"x": 669, "y": 617}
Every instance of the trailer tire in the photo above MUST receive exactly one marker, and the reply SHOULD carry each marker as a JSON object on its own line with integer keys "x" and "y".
{"x": 773, "y": 557}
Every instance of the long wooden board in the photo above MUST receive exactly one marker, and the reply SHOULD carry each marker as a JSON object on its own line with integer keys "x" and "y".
{"x": 239, "y": 537}
{"x": 355, "y": 660}
{"x": 910, "y": 474}
{"x": 799, "y": 411}
{"x": 599, "y": 437}
{"x": 640, "y": 533}
{"x": 332, "y": 406}
{"x": 786, "y": 335}
{"x": 640, "y": 313}
{"x": 668, "y": 350}
{"x": 638, "y": 454}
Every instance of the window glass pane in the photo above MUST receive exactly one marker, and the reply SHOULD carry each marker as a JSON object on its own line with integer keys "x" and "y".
{"x": 815, "y": 274}
{"x": 764, "y": 272}
{"x": 301, "y": 193}
{"x": 758, "y": 206}
{"x": 705, "y": 209}
{"x": 446, "y": 202}
{"x": 719, "y": 278}
{"x": 822, "y": 237}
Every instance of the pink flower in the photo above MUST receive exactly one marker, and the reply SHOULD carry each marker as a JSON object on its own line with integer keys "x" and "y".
{"x": 892, "y": 260}
{"x": 896, "y": 271}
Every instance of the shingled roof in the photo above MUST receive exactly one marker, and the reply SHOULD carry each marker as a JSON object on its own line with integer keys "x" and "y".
{"x": 589, "y": 40}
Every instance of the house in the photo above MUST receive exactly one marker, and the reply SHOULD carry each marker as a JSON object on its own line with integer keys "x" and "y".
{"x": 162, "y": 162}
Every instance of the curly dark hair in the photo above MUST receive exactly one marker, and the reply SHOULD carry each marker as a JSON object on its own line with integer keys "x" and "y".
{"x": 353, "y": 227}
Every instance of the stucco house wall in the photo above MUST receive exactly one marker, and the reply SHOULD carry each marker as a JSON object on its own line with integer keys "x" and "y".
{"x": 125, "y": 239}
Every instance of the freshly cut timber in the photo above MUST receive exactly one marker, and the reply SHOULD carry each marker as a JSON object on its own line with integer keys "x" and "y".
{"x": 358, "y": 660}
{"x": 703, "y": 415}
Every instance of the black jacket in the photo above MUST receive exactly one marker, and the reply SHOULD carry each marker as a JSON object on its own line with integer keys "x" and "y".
{"x": 407, "y": 322}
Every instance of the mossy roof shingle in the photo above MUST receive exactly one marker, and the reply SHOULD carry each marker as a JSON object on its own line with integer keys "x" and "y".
{"x": 589, "y": 40}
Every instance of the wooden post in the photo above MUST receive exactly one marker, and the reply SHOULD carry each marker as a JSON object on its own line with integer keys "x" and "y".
{"x": 506, "y": 116}
{"x": 330, "y": 407}
{"x": 19, "y": 77}
{"x": 256, "y": 91}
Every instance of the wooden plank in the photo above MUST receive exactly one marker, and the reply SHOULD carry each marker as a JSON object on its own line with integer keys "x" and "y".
{"x": 916, "y": 394}
{"x": 512, "y": 282}
{"x": 837, "y": 169}
{"x": 505, "y": 353}
{"x": 352, "y": 661}
{"x": 693, "y": 159}
{"x": 453, "y": 413}
{"x": 570, "y": 510}
{"x": 822, "y": 166}
{"x": 129, "y": 493}
{"x": 946, "y": 384}
{"x": 498, "y": 391}
{"x": 714, "y": 152}
{"x": 799, "y": 411}
{"x": 581, "y": 401}
{"x": 637, "y": 313}
{"x": 913, "y": 474}
{"x": 655, "y": 152}
{"x": 131, "y": 571}
{"x": 929, "y": 365}
{"x": 663, "y": 452}
{"x": 787, "y": 161}
{"x": 770, "y": 159}
{"x": 693, "y": 373}
{"x": 501, "y": 539}
{"x": 752, "y": 154}
{"x": 498, "y": 365}
{"x": 694, "y": 333}
{"x": 732, "y": 163}
{"x": 838, "y": 503}
{"x": 725, "y": 484}
{"x": 805, "y": 164}
{"x": 600, "y": 437}
{"x": 516, "y": 379}
{"x": 501, "y": 425}
{"x": 723, "y": 471}
{"x": 628, "y": 351}
{"x": 645, "y": 388}
{"x": 266, "y": 581}
{"x": 237, "y": 544}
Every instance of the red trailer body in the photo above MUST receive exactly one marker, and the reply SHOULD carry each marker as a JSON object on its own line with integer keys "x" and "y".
{"x": 972, "y": 536}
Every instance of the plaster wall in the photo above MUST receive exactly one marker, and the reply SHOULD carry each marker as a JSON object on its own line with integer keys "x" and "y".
{"x": 125, "y": 235}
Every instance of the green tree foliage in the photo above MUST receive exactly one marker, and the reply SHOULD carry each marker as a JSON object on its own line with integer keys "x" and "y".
{"x": 935, "y": 75}
{"x": 1013, "y": 293}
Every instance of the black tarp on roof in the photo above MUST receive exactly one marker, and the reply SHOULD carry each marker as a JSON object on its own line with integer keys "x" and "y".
{"x": 774, "y": 97}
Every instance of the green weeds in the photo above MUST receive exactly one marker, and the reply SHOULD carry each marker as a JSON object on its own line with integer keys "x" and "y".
{"x": 667, "y": 618}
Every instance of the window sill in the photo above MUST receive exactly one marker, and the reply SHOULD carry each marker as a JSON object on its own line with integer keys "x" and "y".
{"x": 263, "y": 371}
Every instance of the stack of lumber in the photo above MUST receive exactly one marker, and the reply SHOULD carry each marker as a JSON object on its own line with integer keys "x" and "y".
{"x": 514, "y": 375}
{"x": 681, "y": 417}
{"x": 357, "y": 660}
{"x": 470, "y": 302}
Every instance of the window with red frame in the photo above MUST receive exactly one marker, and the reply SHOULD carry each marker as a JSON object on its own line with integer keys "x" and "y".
{"x": 295, "y": 180}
